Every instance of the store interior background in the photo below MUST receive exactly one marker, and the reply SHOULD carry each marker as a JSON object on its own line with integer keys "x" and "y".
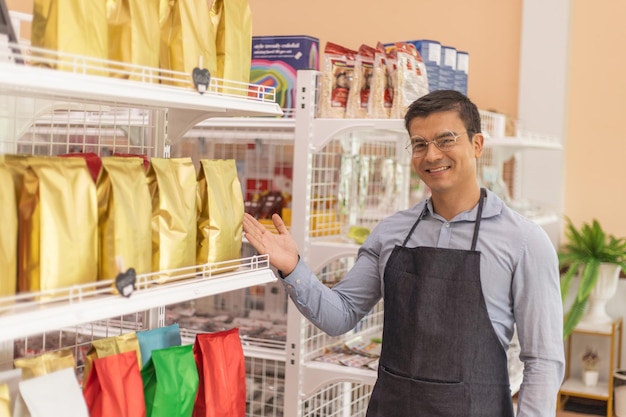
{"x": 556, "y": 66}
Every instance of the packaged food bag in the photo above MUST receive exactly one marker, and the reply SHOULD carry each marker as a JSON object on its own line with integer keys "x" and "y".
{"x": 45, "y": 363}
{"x": 411, "y": 83}
{"x": 8, "y": 237}
{"x": 124, "y": 212}
{"x": 360, "y": 87}
{"x": 94, "y": 164}
{"x": 9, "y": 389}
{"x": 222, "y": 375}
{"x": 187, "y": 37}
{"x": 232, "y": 24}
{"x": 170, "y": 382}
{"x": 51, "y": 395}
{"x": 220, "y": 211}
{"x": 115, "y": 388}
{"x": 159, "y": 338}
{"x": 133, "y": 36}
{"x": 102, "y": 348}
{"x": 381, "y": 90}
{"x": 336, "y": 77}
{"x": 58, "y": 224}
{"x": 71, "y": 26}
{"x": 173, "y": 186}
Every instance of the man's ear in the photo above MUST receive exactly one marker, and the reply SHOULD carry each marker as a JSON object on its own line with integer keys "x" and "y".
{"x": 478, "y": 142}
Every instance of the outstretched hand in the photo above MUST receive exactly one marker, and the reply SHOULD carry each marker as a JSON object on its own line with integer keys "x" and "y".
{"x": 281, "y": 247}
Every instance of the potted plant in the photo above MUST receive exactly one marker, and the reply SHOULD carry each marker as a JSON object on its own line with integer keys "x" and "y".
{"x": 589, "y": 251}
{"x": 590, "y": 361}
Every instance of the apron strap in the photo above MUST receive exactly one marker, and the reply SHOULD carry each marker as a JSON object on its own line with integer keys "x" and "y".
{"x": 483, "y": 195}
{"x": 479, "y": 216}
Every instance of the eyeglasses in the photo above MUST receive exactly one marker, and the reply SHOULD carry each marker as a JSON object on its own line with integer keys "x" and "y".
{"x": 444, "y": 141}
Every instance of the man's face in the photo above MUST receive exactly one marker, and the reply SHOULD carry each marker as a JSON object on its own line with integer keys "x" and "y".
{"x": 455, "y": 169}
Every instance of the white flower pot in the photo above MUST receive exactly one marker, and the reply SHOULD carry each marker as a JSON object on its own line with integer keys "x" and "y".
{"x": 606, "y": 286}
{"x": 590, "y": 378}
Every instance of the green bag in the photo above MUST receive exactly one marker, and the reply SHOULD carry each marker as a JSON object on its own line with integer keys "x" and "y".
{"x": 170, "y": 382}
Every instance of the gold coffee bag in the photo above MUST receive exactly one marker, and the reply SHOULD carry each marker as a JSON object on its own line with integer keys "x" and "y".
{"x": 133, "y": 27}
{"x": 232, "y": 23}
{"x": 220, "y": 211}
{"x": 8, "y": 236}
{"x": 5, "y": 401}
{"x": 186, "y": 36}
{"x": 108, "y": 346}
{"x": 72, "y": 26}
{"x": 172, "y": 184}
{"x": 124, "y": 210}
{"x": 58, "y": 220}
{"x": 45, "y": 363}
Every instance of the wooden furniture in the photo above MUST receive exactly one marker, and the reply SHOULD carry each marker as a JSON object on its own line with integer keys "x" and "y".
{"x": 573, "y": 385}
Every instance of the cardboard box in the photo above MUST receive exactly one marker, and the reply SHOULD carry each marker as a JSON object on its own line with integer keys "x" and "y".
{"x": 276, "y": 61}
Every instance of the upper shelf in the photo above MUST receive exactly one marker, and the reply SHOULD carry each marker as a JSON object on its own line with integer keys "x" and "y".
{"x": 35, "y": 313}
{"x": 186, "y": 106}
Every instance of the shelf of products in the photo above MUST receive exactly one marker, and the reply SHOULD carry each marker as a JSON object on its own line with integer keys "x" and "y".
{"x": 573, "y": 386}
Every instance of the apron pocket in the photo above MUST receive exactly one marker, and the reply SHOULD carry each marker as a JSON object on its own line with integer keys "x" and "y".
{"x": 395, "y": 395}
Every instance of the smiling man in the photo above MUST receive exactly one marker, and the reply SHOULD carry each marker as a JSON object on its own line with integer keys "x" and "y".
{"x": 458, "y": 271}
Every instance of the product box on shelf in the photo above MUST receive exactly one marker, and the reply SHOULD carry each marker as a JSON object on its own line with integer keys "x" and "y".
{"x": 448, "y": 68}
{"x": 462, "y": 71}
{"x": 276, "y": 61}
{"x": 430, "y": 51}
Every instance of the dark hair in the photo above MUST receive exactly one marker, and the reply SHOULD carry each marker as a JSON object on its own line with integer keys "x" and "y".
{"x": 445, "y": 100}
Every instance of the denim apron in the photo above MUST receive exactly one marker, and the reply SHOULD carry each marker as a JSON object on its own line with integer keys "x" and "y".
{"x": 440, "y": 356}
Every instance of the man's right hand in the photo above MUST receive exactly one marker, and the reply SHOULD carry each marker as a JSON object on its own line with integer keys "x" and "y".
{"x": 281, "y": 247}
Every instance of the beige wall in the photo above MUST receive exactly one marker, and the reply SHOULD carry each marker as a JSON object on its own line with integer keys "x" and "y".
{"x": 595, "y": 184}
{"x": 490, "y": 31}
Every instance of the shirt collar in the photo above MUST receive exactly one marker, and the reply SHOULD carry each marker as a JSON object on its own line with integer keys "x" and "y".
{"x": 492, "y": 207}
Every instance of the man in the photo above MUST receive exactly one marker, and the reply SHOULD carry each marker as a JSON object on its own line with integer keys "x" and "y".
{"x": 457, "y": 272}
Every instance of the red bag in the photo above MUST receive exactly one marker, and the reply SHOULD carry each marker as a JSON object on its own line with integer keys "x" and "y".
{"x": 115, "y": 388}
{"x": 222, "y": 373}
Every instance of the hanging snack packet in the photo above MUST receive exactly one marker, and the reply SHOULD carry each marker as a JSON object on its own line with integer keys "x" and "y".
{"x": 101, "y": 348}
{"x": 124, "y": 233}
{"x": 115, "y": 387}
{"x": 72, "y": 27}
{"x": 186, "y": 37}
{"x": 170, "y": 382}
{"x": 232, "y": 24}
{"x": 45, "y": 363}
{"x": 133, "y": 35}
{"x": 8, "y": 237}
{"x": 53, "y": 394}
{"x": 172, "y": 184}
{"x": 411, "y": 84}
{"x": 9, "y": 388}
{"x": 222, "y": 375}
{"x": 157, "y": 338}
{"x": 381, "y": 90}
{"x": 58, "y": 224}
{"x": 220, "y": 211}
{"x": 335, "y": 83}
{"x": 360, "y": 88}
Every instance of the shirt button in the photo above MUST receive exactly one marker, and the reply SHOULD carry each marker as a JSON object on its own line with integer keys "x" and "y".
{"x": 447, "y": 224}
{"x": 297, "y": 281}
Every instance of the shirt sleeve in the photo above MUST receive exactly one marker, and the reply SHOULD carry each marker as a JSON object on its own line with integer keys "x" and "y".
{"x": 338, "y": 309}
{"x": 538, "y": 314}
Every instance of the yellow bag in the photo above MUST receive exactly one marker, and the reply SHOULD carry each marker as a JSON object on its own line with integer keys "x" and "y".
{"x": 186, "y": 36}
{"x": 58, "y": 220}
{"x": 133, "y": 28}
{"x": 72, "y": 26}
{"x": 45, "y": 363}
{"x": 8, "y": 237}
{"x": 172, "y": 184}
{"x": 124, "y": 210}
{"x": 220, "y": 211}
{"x": 232, "y": 23}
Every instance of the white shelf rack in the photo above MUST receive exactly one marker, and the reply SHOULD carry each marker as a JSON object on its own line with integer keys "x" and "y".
{"x": 33, "y": 313}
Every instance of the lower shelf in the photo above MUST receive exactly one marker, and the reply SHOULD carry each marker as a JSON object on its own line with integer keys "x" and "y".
{"x": 576, "y": 388}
